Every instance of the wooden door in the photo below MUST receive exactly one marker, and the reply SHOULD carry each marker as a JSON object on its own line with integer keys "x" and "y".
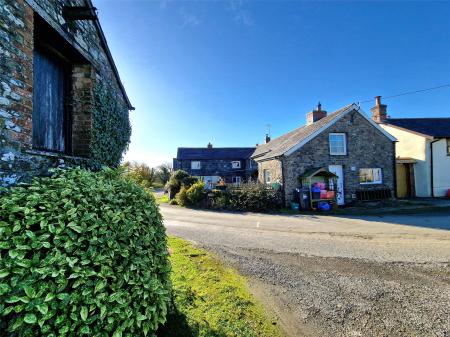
{"x": 50, "y": 88}
{"x": 402, "y": 181}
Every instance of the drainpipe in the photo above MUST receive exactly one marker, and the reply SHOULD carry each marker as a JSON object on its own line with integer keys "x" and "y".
{"x": 395, "y": 171}
{"x": 283, "y": 188}
{"x": 432, "y": 167}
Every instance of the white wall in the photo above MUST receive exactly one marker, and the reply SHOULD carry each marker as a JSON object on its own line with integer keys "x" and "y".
{"x": 441, "y": 164}
{"x": 417, "y": 147}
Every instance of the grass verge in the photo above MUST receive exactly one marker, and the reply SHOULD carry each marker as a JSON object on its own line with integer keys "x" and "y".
{"x": 210, "y": 299}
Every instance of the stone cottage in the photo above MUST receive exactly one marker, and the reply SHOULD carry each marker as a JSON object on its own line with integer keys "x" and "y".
{"x": 233, "y": 165}
{"x": 52, "y": 55}
{"x": 345, "y": 142}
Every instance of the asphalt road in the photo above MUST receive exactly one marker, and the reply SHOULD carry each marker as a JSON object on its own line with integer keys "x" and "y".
{"x": 335, "y": 276}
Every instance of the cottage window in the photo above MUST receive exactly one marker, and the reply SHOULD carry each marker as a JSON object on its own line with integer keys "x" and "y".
{"x": 266, "y": 176}
{"x": 448, "y": 146}
{"x": 236, "y": 180}
{"x": 370, "y": 176}
{"x": 51, "y": 87}
{"x": 338, "y": 144}
{"x": 236, "y": 164}
{"x": 195, "y": 165}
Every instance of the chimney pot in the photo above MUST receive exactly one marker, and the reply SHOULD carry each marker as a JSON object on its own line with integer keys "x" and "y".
{"x": 267, "y": 138}
{"x": 315, "y": 115}
{"x": 379, "y": 114}
{"x": 209, "y": 146}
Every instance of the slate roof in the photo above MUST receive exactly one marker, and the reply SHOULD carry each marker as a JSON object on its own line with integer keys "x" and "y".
{"x": 282, "y": 144}
{"x": 203, "y": 153}
{"x": 433, "y": 127}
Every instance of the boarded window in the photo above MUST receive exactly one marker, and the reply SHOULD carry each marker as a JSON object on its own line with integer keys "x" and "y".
{"x": 51, "y": 83}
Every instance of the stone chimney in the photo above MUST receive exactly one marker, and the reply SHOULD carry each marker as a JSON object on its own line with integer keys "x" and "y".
{"x": 315, "y": 115}
{"x": 267, "y": 138}
{"x": 209, "y": 146}
{"x": 379, "y": 114}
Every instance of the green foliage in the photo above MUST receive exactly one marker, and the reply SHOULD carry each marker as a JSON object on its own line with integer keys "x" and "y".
{"x": 178, "y": 179}
{"x": 140, "y": 173}
{"x": 248, "y": 197}
{"x": 196, "y": 193}
{"x": 211, "y": 300}
{"x": 111, "y": 128}
{"x": 181, "y": 197}
{"x": 82, "y": 253}
{"x": 163, "y": 173}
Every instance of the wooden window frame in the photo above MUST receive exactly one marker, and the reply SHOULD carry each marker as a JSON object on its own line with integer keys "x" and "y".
{"x": 374, "y": 182}
{"x": 344, "y": 135}
{"x": 234, "y": 166}
{"x": 193, "y": 167}
{"x": 266, "y": 174}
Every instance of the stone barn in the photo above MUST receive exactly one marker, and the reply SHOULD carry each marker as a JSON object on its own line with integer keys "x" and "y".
{"x": 61, "y": 97}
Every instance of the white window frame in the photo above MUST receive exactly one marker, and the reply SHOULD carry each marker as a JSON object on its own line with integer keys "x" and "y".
{"x": 380, "y": 176}
{"x": 345, "y": 144}
{"x": 236, "y": 164}
{"x": 266, "y": 174}
{"x": 236, "y": 180}
{"x": 196, "y": 165}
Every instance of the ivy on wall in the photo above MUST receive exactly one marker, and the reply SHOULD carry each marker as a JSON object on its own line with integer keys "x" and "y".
{"x": 111, "y": 129}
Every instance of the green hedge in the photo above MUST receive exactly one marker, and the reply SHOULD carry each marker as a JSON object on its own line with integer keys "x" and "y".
{"x": 82, "y": 253}
{"x": 248, "y": 197}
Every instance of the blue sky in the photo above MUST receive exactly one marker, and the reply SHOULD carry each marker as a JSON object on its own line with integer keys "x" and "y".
{"x": 220, "y": 71}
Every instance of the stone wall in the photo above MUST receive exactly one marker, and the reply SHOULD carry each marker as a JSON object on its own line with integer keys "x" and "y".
{"x": 367, "y": 147}
{"x": 18, "y": 160}
{"x": 275, "y": 170}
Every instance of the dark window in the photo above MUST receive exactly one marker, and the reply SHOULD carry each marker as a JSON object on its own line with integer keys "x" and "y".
{"x": 448, "y": 146}
{"x": 51, "y": 87}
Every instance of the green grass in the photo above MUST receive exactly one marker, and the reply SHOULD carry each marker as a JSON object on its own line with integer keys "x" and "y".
{"x": 210, "y": 299}
{"x": 163, "y": 199}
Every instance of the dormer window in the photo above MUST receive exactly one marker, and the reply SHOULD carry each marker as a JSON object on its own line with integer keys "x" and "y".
{"x": 236, "y": 164}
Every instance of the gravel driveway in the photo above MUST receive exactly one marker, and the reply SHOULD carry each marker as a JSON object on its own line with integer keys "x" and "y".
{"x": 335, "y": 276}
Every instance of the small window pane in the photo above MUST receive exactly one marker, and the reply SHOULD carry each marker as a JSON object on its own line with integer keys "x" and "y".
{"x": 236, "y": 164}
{"x": 195, "y": 165}
{"x": 267, "y": 176}
{"x": 337, "y": 144}
{"x": 370, "y": 176}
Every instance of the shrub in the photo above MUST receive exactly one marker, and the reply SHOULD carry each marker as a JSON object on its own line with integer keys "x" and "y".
{"x": 82, "y": 253}
{"x": 178, "y": 179}
{"x": 196, "y": 193}
{"x": 181, "y": 197}
{"x": 249, "y": 197}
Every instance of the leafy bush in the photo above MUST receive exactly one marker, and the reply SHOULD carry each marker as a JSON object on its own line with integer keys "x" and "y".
{"x": 196, "y": 193}
{"x": 179, "y": 179}
{"x": 82, "y": 253}
{"x": 249, "y": 197}
{"x": 181, "y": 197}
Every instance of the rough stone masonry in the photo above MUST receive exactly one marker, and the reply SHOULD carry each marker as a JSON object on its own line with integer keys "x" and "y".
{"x": 24, "y": 24}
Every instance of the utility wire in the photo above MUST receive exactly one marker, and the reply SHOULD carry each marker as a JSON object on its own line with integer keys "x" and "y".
{"x": 408, "y": 93}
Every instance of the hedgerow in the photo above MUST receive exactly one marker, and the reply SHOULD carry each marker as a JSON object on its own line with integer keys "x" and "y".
{"x": 82, "y": 253}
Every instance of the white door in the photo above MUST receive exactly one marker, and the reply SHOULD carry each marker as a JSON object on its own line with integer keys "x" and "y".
{"x": 337, "y": 170}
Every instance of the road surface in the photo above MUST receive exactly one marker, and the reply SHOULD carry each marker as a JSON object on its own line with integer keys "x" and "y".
{"x": 335, "y": 276}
